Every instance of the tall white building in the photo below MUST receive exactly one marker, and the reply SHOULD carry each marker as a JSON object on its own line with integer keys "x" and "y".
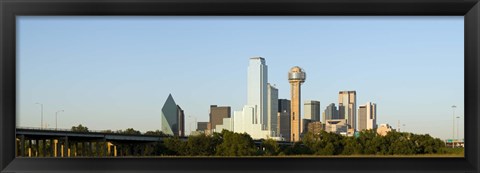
{"x": 367, "y": 115}
{"x": 257, "y": 90}
{"x": 227, "y": 124}
{"x": 272, "y": 104}
{"x": 243, "y": 122}
{"x": 259, "y": 117}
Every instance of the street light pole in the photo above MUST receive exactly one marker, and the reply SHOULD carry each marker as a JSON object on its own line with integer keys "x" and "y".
{"x": 190, "y": 124}
{"x": 458, "y": 119}
{"x": 41, "y": 114}
{"x": 398, "y": 125}
{"x": 56, "y": 118}
{"x": 195, "y": 122}
{"x": 453, "y": 123}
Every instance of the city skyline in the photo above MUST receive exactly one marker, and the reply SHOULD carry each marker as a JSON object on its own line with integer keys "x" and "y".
{"x": 136, "y": 88}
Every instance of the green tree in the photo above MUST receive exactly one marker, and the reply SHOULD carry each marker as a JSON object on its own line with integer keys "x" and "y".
{"x": 200, "y": 145}
{"x": 135, "y": 149}
{"x": 131, "y": 131}
{"x": 425, "y": 144}
{"x": 107, "y": 131}
{"x": 366, "y": 141}
{"x": 270, "y": 147}
{"x": 159, "y": 149}
{"x": 175, "y": 146}
{"x": 155, "y": 133}
{"x": 235, "y": 144}
{"x": 79, "y": 128}
{"x": 324, "y": 143}
{"x": 298, "y": 148}
{"x": 336, "y": 140}
{"x": 351, "y": 146}
{"x": 217, "y": 139}
{"x": 311, "y": 141}
{"x": 328, "y": 150}
{"x": 400, "y": 143}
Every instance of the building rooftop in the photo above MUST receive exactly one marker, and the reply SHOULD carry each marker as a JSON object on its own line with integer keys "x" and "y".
{"x": 258, "y": 58}
{"x": 346, "y": 91}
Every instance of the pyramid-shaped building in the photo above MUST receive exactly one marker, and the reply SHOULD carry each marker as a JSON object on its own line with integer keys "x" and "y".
{"x": 173, "y": 118}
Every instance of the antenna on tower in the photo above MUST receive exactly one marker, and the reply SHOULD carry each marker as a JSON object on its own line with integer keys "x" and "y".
{"x": 398, "y": 126}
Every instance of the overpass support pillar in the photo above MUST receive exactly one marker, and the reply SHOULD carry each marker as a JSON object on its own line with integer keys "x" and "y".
{"x": 22, "y": 145}
{"x": 84, "y": 148}
{"x": 78, "y": 150}
{"x": 57, "y": 148}
{"x": 105, "y": 146}
{"x": 97, "y": 148}
{"x": 89, "y": 143}
{"x": 29, "y": 148}
{"x": 37, "y": 148}
{"x": 52, "y": 148}
{"x": 65, "y": 147}
{"x": 44, "y": 147}
{"x": 143, "y": 148}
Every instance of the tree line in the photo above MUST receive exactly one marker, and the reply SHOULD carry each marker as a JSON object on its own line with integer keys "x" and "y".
{"x": 228, "y": 143}
{"x": 368, "y": 142}
{"x": 130, "y": 131}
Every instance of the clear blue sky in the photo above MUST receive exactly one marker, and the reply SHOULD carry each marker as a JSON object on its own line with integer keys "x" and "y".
{"x": 116, "y": 72}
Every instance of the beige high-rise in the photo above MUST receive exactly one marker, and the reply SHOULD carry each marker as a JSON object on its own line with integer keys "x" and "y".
{"x": 367, "y": 116}
{"x": 347, "y": 101}
{"x": 296, "y": 77}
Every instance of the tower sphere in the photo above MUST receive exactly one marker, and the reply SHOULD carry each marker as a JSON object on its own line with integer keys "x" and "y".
{"x": 296, "y": 74}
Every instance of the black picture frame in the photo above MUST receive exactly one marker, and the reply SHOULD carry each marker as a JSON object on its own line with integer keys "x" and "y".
{"x": 9, "y": 9}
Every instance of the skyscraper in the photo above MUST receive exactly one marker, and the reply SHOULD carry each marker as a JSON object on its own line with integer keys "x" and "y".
{"x": 284, "y": 105}
{"x": 331, "y": 112}
{"x": 296, "y": 77}
{"x": 284, "y": 118}
{"x": 367, "y": 116}
{"x": 253, "y": 118}
{"x": 272, "y": 103}
{"x": 257, "y": 90}
{"x": 323, "y": 117}
{"x": 173, "y": 118}
{"x": 202, "y": 126}
{"x": 181, "y": 121}
{"x": 312, "y": 113}
{"x": 312, "y": 110}
{"x": 341, "y": 111}
{"x": 217, "y": 113}
{"x": 347, "y": 101}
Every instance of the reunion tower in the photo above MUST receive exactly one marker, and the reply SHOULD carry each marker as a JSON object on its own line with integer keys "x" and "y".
{"x": 296, "y": 76}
